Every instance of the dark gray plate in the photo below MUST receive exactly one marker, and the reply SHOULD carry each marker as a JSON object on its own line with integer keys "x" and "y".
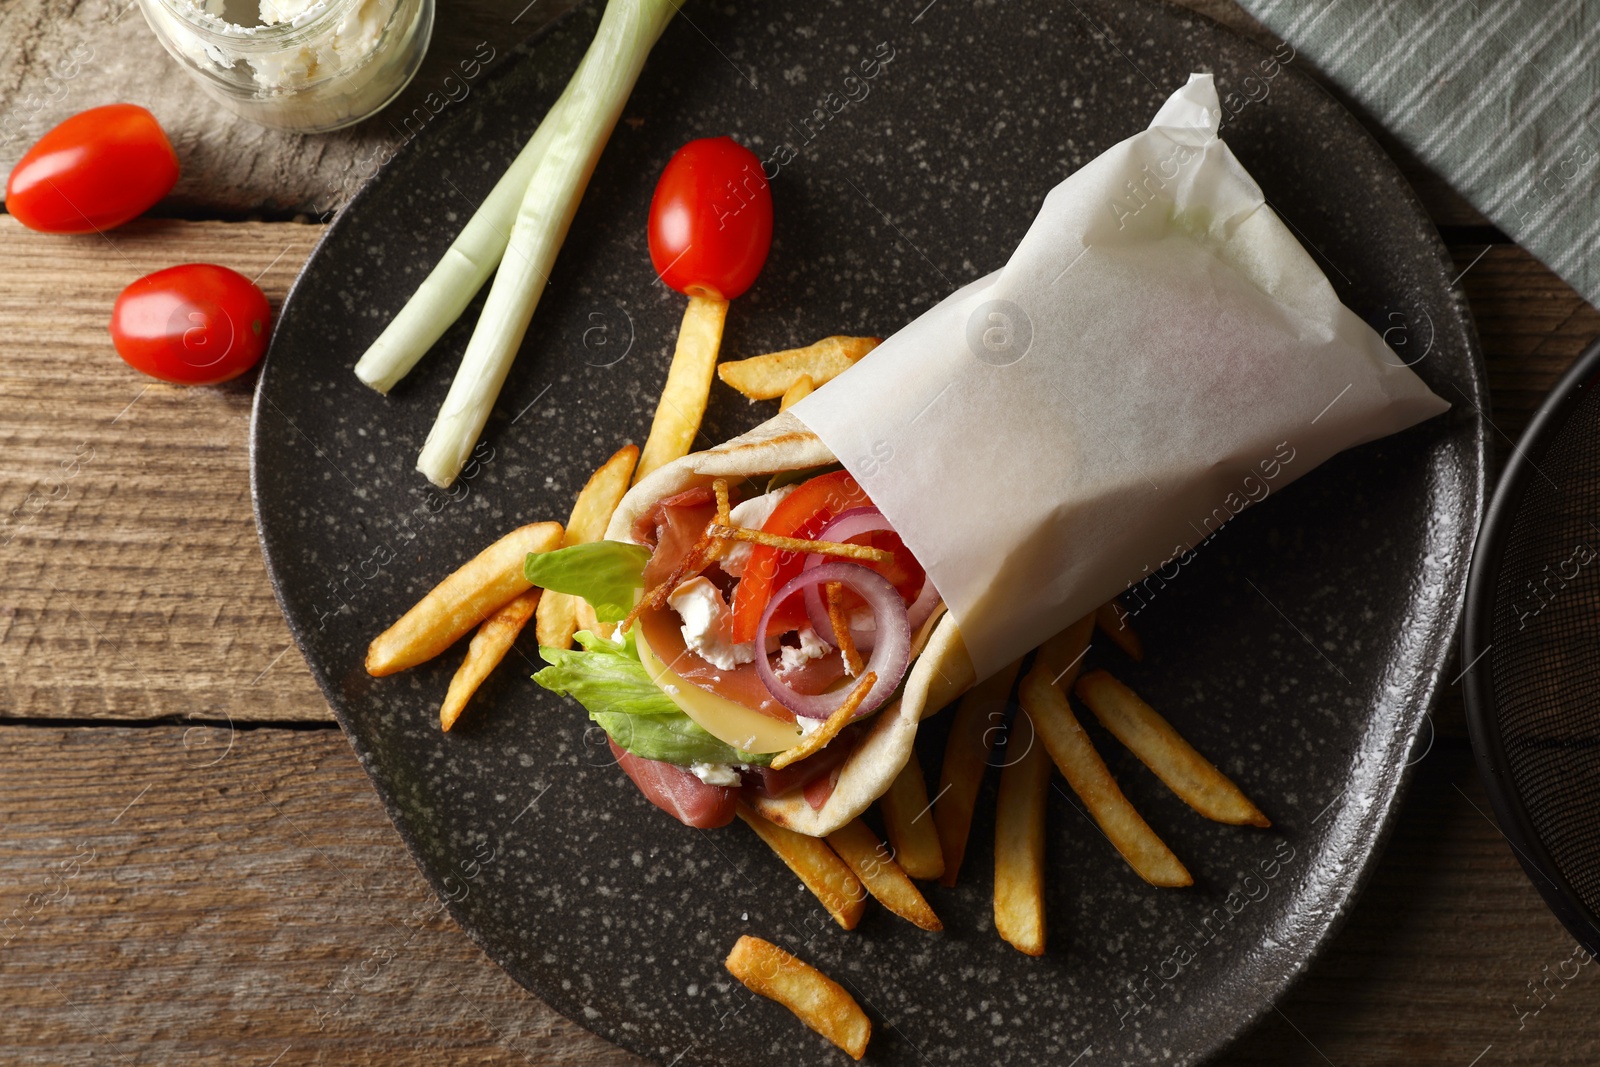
{"x": 1299, "y": 649}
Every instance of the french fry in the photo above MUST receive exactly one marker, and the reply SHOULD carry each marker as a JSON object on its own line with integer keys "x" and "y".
{"x": 874, "y": 865}
{"x": 816, "y": 1000}
{"x": 1019, "y": 845}
{"x": 688, "y": 388}
{"x": 907, "y": 819}
{"x": 557, "y": 617}
{"x": 587, "y": 619}
{"x": 1113, "y": 622}
{"x": 489, "y": 646}
{"x": 1063, "y": 653}
{"x": 816, "y": 865}
{"x": 1161, "y": 748}
{"x": 818, "y": 739}
{"x": 480, "y": 587}
{"x": 770, "y": 376}
{"x": 803, "y": 387}
{"x": 1091, "y": 779}
{"x": 976, "y": 724}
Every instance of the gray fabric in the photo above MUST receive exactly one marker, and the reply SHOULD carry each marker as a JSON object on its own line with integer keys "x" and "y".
{"x": 1496, "y": 96}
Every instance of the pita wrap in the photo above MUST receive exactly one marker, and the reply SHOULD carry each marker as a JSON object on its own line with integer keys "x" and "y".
{"x": 1192, "y": 358}
{"x": 941, "y": 673}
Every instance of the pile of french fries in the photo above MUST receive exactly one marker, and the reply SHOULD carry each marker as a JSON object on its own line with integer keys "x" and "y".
{"x": 490, "y": 598}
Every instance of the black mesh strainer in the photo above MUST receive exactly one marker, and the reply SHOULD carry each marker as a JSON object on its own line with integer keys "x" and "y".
{"x": 1532, "y": 645}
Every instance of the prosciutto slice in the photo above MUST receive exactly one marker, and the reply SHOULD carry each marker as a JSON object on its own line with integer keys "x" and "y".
{"x": 676, "y": 791}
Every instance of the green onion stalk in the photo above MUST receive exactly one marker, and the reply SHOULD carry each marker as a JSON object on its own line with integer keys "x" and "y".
{"x": 520, "y": 227}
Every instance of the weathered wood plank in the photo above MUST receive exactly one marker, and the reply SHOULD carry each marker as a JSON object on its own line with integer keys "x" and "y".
{"x": 105, "y": 507}
{"x": 134, "y": 586}
{"x": 165, "y": 898}
{"x": 1532, "y": 324}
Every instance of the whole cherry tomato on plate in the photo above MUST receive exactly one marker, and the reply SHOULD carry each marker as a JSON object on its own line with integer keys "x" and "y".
{"x": 711, "y": 219}
{"x": 96, "y": 170}
{"x": 196, "y": 324}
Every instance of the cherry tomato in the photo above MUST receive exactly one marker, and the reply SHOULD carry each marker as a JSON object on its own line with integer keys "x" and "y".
{"x": 196, "y": 324}
{"x": 96, "y": 170}
{"x": 711, "y": 219}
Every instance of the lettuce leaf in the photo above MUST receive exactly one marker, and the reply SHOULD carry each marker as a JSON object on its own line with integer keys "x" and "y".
{"x": 605, "y": 573}
{"x": 607, "y": 678}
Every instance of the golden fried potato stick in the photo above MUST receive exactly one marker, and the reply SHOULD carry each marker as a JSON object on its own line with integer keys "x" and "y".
{"x": 489, "y": 646}
{"x": 816, "y": 865}
{"x": 1161, "y": 748}
{"x": 874, "y": 864}
{"x": 978, "y": 721}
{"x": 818, "y": 739}
{"x": 908, "y": 819}
{"x": 1114, "y": 624}
{"x": 833, "y": 596}
{"x": 558, "y": 614}
{"x": 1019, "y": 842}
{"x": 774, "y": 374}
{"x": 479, "y": 588}
{"x": 842, "y": 549}
{"x": 1091, "y": 779}
{"x": 1063, "y": 653}
{"x": 803, "y": 387}
{"x": 817, "y": 1000}
{"x": 688, "y": 388}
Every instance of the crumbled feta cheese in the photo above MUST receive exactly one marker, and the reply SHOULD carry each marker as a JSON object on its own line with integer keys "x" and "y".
{"x": 670, "y": 689}
{"x": 716, "y": 773}
{"x": 811, "y": 647}
{"x": 708, "y": 624}
{"x": 750, "y": 514}
{"x": 808, "y": 725}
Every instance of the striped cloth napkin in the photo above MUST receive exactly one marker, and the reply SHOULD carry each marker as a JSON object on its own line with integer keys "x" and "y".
{"x": 1498, "y": 97}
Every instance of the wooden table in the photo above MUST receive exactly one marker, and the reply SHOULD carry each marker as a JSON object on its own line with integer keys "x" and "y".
{"x": 193, "y": 866}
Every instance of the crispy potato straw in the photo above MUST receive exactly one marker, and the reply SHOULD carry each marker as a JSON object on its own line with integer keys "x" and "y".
{"x": 818, "y": 739}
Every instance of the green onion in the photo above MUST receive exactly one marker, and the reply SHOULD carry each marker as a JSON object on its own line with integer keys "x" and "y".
{"x": 467, "y": 264}
{"x": 526, "y": 214}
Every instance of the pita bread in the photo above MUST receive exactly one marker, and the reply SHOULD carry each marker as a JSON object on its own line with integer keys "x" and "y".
{"x": 940, "y": 674}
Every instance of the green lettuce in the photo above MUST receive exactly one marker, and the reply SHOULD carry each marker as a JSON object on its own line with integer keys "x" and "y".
{"x": 605, "y": 573}
{"x": 607, "y": 678}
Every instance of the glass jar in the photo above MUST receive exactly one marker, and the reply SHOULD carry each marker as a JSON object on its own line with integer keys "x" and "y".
{"x": 303, "y": 65}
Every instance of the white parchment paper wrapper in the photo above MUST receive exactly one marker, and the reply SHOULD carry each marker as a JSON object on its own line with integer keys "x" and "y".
{"x": 1158, "y": 352}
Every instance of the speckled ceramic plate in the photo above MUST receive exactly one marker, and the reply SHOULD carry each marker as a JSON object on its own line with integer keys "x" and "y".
{"x": 1299, "y": 649}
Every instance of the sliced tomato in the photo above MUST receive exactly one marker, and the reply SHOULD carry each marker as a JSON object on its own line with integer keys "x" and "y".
{"x": 902, "y": 570}
{"x": 803, "y": 513}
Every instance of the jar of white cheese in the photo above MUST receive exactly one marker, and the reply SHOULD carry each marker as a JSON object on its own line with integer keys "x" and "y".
{"x": 304, "y": 65}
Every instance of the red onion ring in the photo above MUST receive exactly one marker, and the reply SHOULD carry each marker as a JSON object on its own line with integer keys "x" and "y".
{"x": 891, "y": 655}
{"x": 842, "y": 527}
